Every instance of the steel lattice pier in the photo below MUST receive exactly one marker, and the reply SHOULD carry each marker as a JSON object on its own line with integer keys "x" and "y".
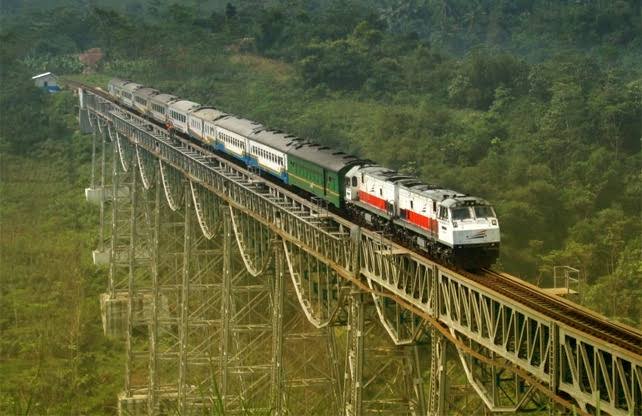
{"x": 234, "y": 295}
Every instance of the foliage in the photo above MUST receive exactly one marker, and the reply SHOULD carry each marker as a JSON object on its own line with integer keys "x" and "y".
{"x": 535, "y": 106}
{"x": 554, "y": 144}
{"x": 54, "y": 357}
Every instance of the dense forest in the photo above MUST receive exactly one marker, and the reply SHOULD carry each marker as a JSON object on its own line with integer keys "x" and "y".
{"x": 535, "y": 105}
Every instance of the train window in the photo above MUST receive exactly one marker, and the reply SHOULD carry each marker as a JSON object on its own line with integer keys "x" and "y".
{"x": 461, "y": 213}
{"x": 484, "y": 212}
{"x": 443, "y": 213}
{"x": 434, "y": 206}
{"x": 380, "y": 191}
{"x": 412, "y": 205}
{"x": 354, "y": 181}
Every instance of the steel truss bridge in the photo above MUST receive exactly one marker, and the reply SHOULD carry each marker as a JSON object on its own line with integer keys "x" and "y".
{"x": 235, "y": 296}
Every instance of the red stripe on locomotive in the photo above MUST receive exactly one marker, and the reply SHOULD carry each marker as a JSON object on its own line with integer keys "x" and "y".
{"x": 417, "y": 219}
{"x": 372, "y": 200}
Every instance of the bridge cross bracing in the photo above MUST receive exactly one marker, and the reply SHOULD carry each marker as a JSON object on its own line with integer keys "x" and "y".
{"x": 233, "y": 294}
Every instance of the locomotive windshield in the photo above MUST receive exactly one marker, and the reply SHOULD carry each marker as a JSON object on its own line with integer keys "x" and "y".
{"x": 484, "y": 211}
{"x": 461, "y": 213}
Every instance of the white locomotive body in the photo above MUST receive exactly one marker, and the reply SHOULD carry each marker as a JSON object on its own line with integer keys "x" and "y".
{"x": 460, "y": 228}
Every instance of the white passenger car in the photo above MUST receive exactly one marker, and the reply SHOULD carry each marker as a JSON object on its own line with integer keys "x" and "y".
{"x": 177, "y": 113}
{"x": 127, "y": 93}
{"x": 158, "y": 105}
{"x": 142, "y": 98}
{"x": 232, "y": 133}
{"x": 201, "y": 123}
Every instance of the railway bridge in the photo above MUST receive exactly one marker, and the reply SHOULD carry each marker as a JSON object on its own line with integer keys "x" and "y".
{"x": 235, "y": 296}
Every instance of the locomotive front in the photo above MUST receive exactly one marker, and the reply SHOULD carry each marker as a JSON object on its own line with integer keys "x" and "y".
{"x": 469, "y": 225}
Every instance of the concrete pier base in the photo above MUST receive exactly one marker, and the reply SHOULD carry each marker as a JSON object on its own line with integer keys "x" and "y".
{"x": 97, "y": 194}
{"x": 134, "y": 405}
{"x": 113, "y": 312}
{"x": 100, "y": 258}
{"x": 94, "y": 195}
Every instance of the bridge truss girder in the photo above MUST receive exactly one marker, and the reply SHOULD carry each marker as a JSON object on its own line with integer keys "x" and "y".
{"x": 510, "y": 355}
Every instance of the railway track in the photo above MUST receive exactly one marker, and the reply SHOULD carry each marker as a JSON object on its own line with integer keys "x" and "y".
{"x": 559, "y": 309}
{"x": 531, "y": 296}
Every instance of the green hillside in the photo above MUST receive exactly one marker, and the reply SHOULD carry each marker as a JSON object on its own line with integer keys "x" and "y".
{"x": 534, "y": 105}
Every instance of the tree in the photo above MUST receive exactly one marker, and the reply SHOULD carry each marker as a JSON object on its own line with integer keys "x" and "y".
{"x": 230, "y": 11}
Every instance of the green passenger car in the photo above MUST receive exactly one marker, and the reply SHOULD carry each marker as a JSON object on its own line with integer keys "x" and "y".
{"x": 319, "y": 170}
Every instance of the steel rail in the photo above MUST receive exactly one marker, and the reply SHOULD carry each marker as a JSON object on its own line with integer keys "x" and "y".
{"x": 560, "y": 309}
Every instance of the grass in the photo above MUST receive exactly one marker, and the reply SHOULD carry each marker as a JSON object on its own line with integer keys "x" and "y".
{"x": 53, "y": 356}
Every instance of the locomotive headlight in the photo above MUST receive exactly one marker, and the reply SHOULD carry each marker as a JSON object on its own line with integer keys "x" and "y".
{"x": 494, "y": 222}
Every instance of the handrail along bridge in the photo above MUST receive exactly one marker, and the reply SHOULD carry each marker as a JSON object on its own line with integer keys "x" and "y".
{"x": 234, "y": 295}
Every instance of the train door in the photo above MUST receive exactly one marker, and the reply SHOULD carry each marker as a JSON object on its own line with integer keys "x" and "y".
{"x": 434, "y": 224}
{"x": 445, "y": 232}
{"x": 352, "y": 184}
{"x": 325, "y": 183}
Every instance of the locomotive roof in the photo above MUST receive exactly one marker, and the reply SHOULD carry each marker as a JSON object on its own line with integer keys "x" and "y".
{"x": 184, "y": 105}
{"x": 420, "y": 187}
{"x": 275, "y": 139}
{"x": 322, "y": 155}
{"x": 463, "y": 200}
{"x": 389, "y": 175}
{"x": 146, "y": 92}
{"x": 237, "y": 125}
{"x": 208, "y": 113}
{"x": 164, "y": 98}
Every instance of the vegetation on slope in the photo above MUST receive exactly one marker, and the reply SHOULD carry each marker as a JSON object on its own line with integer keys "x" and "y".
{"x": 54, "y": 358}
{"x": 555, "y": 143}
{"x": 535, "y": 108}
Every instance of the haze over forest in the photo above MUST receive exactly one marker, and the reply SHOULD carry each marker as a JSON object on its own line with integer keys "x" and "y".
{"x": 534, "y": 105}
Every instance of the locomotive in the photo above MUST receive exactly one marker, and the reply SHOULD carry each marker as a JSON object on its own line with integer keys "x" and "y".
{"x": 450, "y": 226}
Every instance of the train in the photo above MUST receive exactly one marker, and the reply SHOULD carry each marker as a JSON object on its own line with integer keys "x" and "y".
{"x": 449, "y": 226}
